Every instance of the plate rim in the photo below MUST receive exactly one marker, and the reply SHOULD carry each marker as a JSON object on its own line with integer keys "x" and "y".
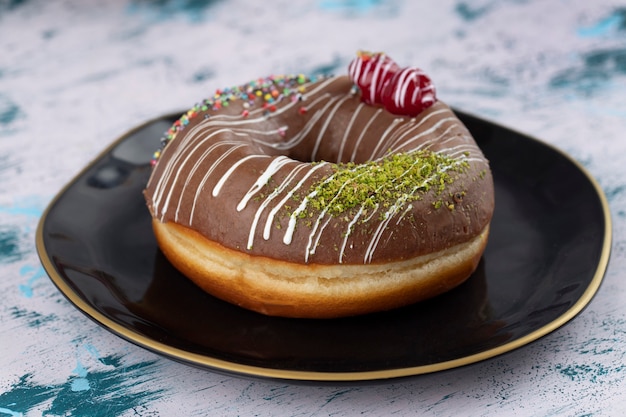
{"x": 216, "y": 364}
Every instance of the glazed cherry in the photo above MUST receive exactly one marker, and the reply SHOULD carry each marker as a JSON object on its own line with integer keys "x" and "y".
{"x": 408, "y": 93}
{"x": 401, "y": 91}
{"x": 371, "y": 73}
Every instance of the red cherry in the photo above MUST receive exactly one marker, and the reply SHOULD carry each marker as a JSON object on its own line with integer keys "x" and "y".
{"x": 371, "y": 73}
{"x": 409, "y": 92}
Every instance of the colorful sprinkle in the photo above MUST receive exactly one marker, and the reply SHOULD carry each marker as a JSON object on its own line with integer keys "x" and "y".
{"x": 271, "y": 90}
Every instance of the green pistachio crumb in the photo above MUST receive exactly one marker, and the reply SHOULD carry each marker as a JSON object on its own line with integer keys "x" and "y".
{"x": 402, "y": 177}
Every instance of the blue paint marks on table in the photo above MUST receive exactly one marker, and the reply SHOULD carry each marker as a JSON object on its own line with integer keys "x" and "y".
{"x": 594, "y": 372}
{"x": 357, "y": 5}
{"x": 360, "y": 7}
{"x": 10, "y": 248}
{"x": 202, "y": 75}
{"x": 613, "y": 192}
{"x": 34, "y": 273}
{"x": 81, "y": 383}
{"x": 110, "y": 392}
{"x": 33, "y": 318}
{"x": 596, "y": 72}
{"x": 613, "y": 23}
{"x": 599, "y": 362}
{"x": 10, "y": 412}
{"x": 11, "y": 4}
{"x": 160, "y": 10}
{"x": 16, "y": 240}
{"x": 472, "y": 12}
{"x": 29, "y": 206}
{"x": 11, "y": 235}
{"x": 9, "y": 112}
{"x": 598, "y": 69}
{"x": 330, "y": 68}
{"x": 24, "y": 396}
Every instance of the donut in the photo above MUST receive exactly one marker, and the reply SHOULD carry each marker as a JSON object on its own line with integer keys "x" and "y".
{"x": 323, "y": 196}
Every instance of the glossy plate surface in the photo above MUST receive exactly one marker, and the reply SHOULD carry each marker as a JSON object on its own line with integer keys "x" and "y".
{"x": 548, "y": 250}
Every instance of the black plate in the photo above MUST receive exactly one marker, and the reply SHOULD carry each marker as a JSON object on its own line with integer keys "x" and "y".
{"x": 547, "y": 254}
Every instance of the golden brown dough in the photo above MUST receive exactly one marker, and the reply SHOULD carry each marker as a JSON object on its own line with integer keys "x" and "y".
{"x": 279, "y": 288}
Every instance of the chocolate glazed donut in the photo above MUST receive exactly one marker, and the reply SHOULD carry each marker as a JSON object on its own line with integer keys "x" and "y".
{"x": 302, "y": 197}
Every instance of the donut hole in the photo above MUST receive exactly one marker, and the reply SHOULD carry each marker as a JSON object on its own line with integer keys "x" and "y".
{"x": 331, "y": 147}
{"x": 351, "y": 137}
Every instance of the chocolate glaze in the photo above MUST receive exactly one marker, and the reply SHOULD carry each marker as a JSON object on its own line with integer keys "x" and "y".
{"x": 237, "y": 176}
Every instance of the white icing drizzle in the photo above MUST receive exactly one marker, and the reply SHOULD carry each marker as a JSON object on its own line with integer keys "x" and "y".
{"x": 344, "y": 139}
{"x": 296, "y": 213}
{"x": 294, "y": 218}
{"x": 382, "y": 226}
{"x": 296, "y": 139}
{"x": 206, "y": 147}
{"x": 220, "y": 183}
{"x": 179, "y": 154}
{"x": 408, "y": 209}
{"x": 267, "y": 229}
{"x": 348, "y": 232}
{"x": 420, "y": 135}
{"x": 206, "y": 177}
{"x": 281, "y": 188}
{"x": 329, "y": 118}
{"x": 271, "y": 169}
{"x": 315, "y": 236}
{"x": 314, "y": 242}
{"x": 266, "y": 203}
{"x": 383, "y": 138}
{"x": 357, "y": 145}
{"x": 394, "y": 209}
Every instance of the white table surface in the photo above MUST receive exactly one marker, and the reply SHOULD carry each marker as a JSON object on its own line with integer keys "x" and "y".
{"x": 75, "y": 75}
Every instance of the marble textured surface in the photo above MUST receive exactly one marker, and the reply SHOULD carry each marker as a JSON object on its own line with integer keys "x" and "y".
{"x": 75, "y": 75}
